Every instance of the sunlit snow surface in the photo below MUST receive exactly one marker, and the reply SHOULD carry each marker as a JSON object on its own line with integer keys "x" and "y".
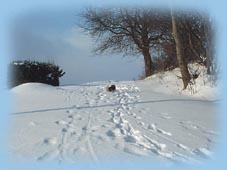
{"x": 147, "y": 119}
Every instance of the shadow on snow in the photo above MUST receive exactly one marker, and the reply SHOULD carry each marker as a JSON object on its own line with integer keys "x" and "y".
{"x": 116, "y": 104}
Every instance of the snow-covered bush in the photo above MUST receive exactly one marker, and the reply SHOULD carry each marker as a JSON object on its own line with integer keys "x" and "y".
{"x": 32, "y": 71}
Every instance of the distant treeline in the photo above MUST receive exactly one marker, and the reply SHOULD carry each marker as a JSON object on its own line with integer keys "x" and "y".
{"x": 32, "y": 71}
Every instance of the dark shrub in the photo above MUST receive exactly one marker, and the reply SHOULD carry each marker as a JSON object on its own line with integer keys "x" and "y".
{"x": 163, "y": 63}
{"x": 32, "y": 71}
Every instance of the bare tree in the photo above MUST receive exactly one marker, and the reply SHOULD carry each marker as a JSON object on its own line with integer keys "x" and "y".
{"x": 128, "y": 30}
{"x": 180, "y": 51}
{"x": 200, "y": 30}
{"x": 196, "y": 30}
{"x": 186, "y": 35}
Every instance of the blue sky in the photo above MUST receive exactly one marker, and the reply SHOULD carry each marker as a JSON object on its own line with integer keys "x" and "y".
{"x": 54, "y": 35}
{"x": 57, "y": 41}
{"x": 51, "y": 33}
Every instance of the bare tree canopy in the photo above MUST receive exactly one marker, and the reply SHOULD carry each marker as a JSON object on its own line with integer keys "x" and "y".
{"x": 184, "y": 37}
{"x": 128, "y": 30}
{"x": 194, "y": 40}
{"x": 200, "y": 31}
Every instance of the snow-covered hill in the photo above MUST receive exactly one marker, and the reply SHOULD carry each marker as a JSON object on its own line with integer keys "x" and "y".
{"x": 146, "y": 119}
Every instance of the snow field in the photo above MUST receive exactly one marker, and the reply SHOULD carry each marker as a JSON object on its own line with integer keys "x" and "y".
{"x": 68, "y": 124}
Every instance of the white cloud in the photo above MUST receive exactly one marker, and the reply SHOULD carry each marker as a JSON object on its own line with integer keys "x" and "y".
{"x": 78, "y": 39}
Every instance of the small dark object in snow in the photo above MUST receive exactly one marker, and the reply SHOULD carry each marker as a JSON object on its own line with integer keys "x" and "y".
{"x": 111, "y": 88}
{"x": 195, "y": 76}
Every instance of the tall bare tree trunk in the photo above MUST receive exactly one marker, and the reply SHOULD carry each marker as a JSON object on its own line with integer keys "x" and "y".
{"x": 209, "y": 50}
{"x": 180, "y": 53}
{"x": 149, "y": 70}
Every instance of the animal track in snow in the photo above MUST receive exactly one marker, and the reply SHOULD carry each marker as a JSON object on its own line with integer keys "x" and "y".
{"x": 156, "y": 129}
{"x": 60, "y": 122}
{"x": 183, "y": 147}
{"x": 131, "y": 135}
{"x": 190, "y": 125}
{"x": 137, "y": 117}
{"x": 50, "y": 141}
{"x": 70, "y": 116}
{"x": 69, "y": 111}
{"x": 114, "y": 133}
{"x": 32, "y": 123}
{"x": 165, "y": 116}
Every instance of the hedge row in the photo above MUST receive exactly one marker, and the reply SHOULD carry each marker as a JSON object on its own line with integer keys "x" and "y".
{"x": 33, "y": 71}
